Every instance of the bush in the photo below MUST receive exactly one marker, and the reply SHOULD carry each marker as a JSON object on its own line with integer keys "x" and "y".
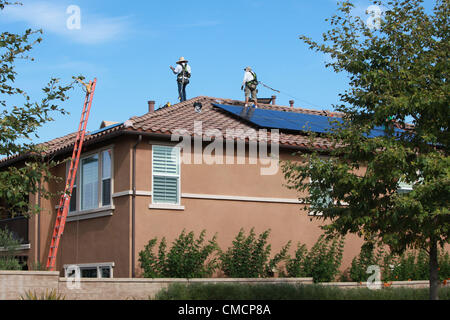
{"x": 321, "y": 263}
{"x": 248, "y": 257}
{"x": 412, "y": 265}
{"x": 33, "y": 295}
{"x": 444, "y": 266}
{"x": 366, "y": 258}
{"x": 289, "y": 292}
{"x": 187, "y": 258}
{"x": 9, "y": 244}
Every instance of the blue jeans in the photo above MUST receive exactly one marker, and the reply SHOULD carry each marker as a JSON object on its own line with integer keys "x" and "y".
{"x": 182, "y": 91}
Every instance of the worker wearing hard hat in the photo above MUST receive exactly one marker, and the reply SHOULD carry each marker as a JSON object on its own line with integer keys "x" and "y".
{"x": 183, "y": 72}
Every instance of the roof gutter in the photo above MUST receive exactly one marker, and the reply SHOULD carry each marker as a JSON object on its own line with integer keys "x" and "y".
{"x": 162, "y": 136}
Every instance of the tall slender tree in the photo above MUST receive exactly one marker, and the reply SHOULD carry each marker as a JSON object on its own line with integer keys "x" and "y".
{"x": 398, "y": 73}
{"x": 19, "y": 123}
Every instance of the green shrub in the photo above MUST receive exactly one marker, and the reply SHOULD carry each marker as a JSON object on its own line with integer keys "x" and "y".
{"x": 187, "y": 258}
{"x": 33, "y": 295}
{"x": 248, "y": 257}
{"x": 444, "y": 266}
{"x": 295, "y": 267}
{"x": 247, "y": 292}
{"x": 411, "y": 265}
{"x": 9, "y": 244}
{"x": 367, "y": 257}
{"x": 321, "y": 263}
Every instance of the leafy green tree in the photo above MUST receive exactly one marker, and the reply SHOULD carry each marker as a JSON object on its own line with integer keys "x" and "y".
{"x": 398, "y": 73}
{"x": 19, "y": 123}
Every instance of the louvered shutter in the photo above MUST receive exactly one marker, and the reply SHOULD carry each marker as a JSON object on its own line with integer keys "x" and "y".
{"x": 166, "y": 171}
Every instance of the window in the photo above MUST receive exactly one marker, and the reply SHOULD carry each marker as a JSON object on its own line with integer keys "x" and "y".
{"x": 404, "y": 187}
{"x": 166, "y": 175}
{"x": 323, "y": 201}
{"x": 322, "y": 198}
{"x": 100, "y": 270}
{"x": 89, "y": 183}
{"x": 106, "y": 178}
{"x": 93, "y": 184}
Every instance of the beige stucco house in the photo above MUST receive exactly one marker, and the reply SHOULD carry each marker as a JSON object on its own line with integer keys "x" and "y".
{"x": 136, "y": 181}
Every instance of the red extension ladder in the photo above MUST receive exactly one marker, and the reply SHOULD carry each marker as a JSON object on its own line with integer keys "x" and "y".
{"x": 64, "y": 203}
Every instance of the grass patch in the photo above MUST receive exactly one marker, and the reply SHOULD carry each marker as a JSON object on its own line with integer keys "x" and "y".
{"x": 289, "y": 292}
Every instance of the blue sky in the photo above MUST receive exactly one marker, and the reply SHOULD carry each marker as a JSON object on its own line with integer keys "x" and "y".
{"x": 129, "y": 46}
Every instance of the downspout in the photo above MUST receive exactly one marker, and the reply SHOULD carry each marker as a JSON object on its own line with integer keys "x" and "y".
{"x": 39, "y": 226}
{"x": 133, "y": 211}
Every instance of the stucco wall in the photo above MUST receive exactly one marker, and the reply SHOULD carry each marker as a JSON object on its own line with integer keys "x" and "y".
{"x": 14, "y": 284}
{"x": 108, "y": 239}
{"x": 287, "y": 221}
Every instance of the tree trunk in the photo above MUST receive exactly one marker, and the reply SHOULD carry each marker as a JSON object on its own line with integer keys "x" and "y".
{"x": 434, "y": 271}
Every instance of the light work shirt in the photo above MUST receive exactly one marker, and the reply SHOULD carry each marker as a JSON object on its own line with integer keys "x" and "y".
{"x": 248, "y": 76}
{"x": 179, "y": 69}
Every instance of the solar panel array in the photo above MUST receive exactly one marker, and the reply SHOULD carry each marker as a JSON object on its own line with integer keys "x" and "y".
{"x": 274, "y": 119}
{"x": 285, "y": 120}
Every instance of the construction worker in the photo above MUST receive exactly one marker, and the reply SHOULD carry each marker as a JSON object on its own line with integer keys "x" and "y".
{"x": 183, "y": 72}
{"x": 250, "y": 84}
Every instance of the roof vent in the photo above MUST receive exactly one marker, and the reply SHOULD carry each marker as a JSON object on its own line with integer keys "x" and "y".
{"x": 198, "y": 107}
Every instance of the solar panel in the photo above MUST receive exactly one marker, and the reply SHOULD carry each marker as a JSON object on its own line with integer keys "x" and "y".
{"x": 104, "y": 129}
{"x": 274, "y": 119}
{"x": 285, "y": 120}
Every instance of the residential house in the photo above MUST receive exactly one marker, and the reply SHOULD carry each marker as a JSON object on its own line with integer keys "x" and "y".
{"x": 136, "y": 182}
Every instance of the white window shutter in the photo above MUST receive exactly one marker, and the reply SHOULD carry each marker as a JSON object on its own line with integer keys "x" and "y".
{"x": 166, "y": 171}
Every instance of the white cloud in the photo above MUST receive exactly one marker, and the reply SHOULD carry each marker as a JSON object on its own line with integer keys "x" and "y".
{"x": 53, "y": 18}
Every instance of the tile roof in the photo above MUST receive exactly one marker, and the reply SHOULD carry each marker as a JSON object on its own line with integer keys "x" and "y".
{"x": 181, "y": 116}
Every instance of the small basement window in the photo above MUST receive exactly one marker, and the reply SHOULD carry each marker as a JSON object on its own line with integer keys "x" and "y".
{"x": 97, "y": 271}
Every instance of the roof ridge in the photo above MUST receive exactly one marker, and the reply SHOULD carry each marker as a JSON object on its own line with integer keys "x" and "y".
{"x": 286, "y": 108}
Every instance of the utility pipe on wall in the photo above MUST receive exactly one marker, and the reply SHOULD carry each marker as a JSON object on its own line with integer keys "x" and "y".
{"x": 133, "y": 212}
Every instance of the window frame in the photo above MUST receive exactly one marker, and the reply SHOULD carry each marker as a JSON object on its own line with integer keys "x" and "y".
{"x": 99, "y": 153}
{"x": 97, "y": 266}
{"x": 316, "y": 212}
{"x": 153, "y": 203}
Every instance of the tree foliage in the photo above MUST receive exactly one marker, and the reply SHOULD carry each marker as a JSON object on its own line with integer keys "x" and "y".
{"x": 8, "y": 245}
{"x": 20, "y": 122}
{"x": 398, "y": 73}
